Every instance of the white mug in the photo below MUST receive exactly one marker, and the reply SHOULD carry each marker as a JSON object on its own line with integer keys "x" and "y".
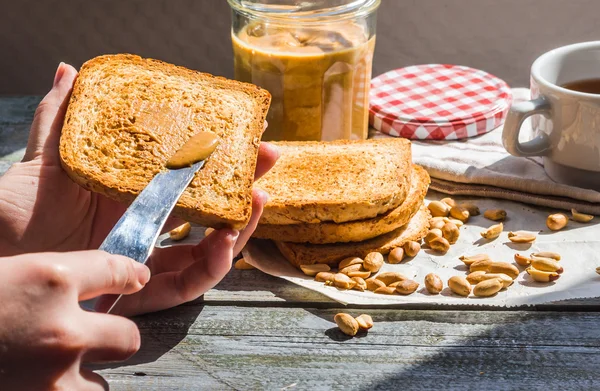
{"x": 567, "y": 133}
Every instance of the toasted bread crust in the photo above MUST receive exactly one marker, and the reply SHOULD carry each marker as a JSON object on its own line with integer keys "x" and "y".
{"x": 127, "y": 115}
{"x": 307, "y": 254}
{"x": 336, "y": 181}
{"x": 353, "y": 231}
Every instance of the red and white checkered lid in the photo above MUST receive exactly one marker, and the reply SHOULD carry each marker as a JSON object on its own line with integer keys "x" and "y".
{"x": 438, "y": 102}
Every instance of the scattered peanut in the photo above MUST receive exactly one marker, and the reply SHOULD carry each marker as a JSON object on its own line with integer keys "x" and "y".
{"x": 390, "y": 277}
{"x": 396, "y": 255}
{"x": 459, "y": 285}
{"x": 438, "y": 209}
{"x": 449, "y": 201}
{"x": 488, "y": 288}
{"x": 208, "y": 231}
{"x": 407, "y": 287}
{"x": 541, "y": 276}
{"x": 460, "y": 213}
{"x": 522, "y": 237}
{"x": 360, "y": 273}
{"x": 504, "y": 268}
{"x": 344, "y": 263}
{"x": 347, "y": 324}
{"x": 481, "y": 265}
{"x": 547, "y": 265}
{"x": 432, "y": 234}
{"x": 495, "y": 214}
{"x": 598, "y": 270}
{"x": 547, "y": 254}
{"x": 351, "y": 268}
{"x": 522, "y": 260}
{"x": 456, "y": 222}
{"x": 180, "y": 232}
{"x": 470, "y": 259}
{"x": 365, "y": 322}
{"x": 557, "y": 221}
{"x": 325, "y": 277}
{"x": 437, "y": 222}
{"x": 433, "y": 283}
{"x": 493, "y": 232}
{"x": 450, "y": 232}
{"x": 373, "y": 262}
{"x": 440, "y": 245}
{"x": 503, "y": 278}
{"x": 580, "y": 217}
{"x": 373, "y": 284}
{"x": 342, "y": 281}
{"x": 361, "y": 285}
{"x": 241, "y": 264}
{"x": 412, "y": 248}
{"x": 386, "y": 290}
{"x": 313, "y": 270}
{"x": 476, "y": 277}
{"x": 472, "y": 208}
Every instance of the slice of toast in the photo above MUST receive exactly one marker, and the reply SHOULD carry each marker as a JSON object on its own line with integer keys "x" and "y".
{"x": 352, "y": 231}
{"x": 337, "y": 181}
{"x": 128, "y": 115}
{"x": 331, "y": 254}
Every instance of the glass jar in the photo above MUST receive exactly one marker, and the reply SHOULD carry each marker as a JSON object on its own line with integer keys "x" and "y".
{"x": 314, "y": 57}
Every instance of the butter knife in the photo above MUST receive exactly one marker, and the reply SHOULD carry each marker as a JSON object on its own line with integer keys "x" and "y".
{"x": 136, "y": 232}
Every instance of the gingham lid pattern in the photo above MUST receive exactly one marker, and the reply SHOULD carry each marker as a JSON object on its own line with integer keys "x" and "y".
{"x": 439, "y": 102}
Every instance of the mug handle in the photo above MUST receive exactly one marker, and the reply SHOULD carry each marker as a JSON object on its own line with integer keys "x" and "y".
{"x": 517, "y": 114}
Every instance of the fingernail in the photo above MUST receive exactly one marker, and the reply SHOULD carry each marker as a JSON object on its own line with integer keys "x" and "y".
{"x": 263, "y": 195}
{"x": 234, "y": 235}
{"x": 143, "y": 272}
{"x": 60, "y": 71}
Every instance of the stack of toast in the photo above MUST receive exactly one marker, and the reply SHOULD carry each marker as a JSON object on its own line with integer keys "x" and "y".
{"x": 333, "y": 200}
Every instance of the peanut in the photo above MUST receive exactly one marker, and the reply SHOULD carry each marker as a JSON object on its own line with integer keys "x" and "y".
{"x": 386, "y": 290}
{"x": 373, "y": 262}
{"x": 547, "y": 254}
{"x": 472, "y": 208}
{"x": 351, "y": 268}
{"x": 456, "y": 222}
{"x": 459, "y": 285}
{"x": 470, "y": 259}
{"x": 349, "y": 262}
{"x": 313, "y": 270}
{"x": 522, "y": 237}
{"x": 411, "y": 248}
{"x": 482, "y": 265}
{"x": 449, "y": 201}
{"x": 547, "y": 265}
{"x": 493, "y": 232}
{"x": 241, "y": 264}
{"x": 433, "y": 283}
{"x": 347, "y": 324}
{"x": 438, "y": 209}
{"x": 450, "y": 232}
{"x": 324, "y": 277}
{"x": 503, "y": 278}
{"x": 488, "y": 288}
{"x": 407, "y": 287}
{"x": 342, "y": 281}
{"x": 373, "y": 284}
{"x": 598, "y": 270}
{"x": 580, "y": 217}
{"x": 432, "y": 234}
{"x": 437, "y": 222}
{"x": 476, "y": 277}
{"x": 495, "y": 214}
{"x": 360, "y": 273}
{"x": 522, "y": 260}
{"x": 208, "y": 231}
{"x": 396, "y": 255}
{"x": 541, "y": 276}
{"x": 460, "y": 213}
{"x": 390, "y": 277}
{"x": 365, "y": 322}
{"x": 180, "y": 232}
{"x": 557, "y": 221}
{"x": 504, "y": 268}
{"x": 440, "y": 245}
{"x": 361, "y": 285}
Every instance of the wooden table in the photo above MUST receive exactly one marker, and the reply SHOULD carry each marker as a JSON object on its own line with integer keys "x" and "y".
{"x": 254, "y": 331}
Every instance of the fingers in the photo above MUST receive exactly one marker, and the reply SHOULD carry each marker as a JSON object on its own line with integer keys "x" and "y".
{"x": 92, "y": 381}
{"x": 267, "y": 157}
{"x": 259, "y": 199}
{"x": 109, "y": 337}
{"x": 44, "y": 135}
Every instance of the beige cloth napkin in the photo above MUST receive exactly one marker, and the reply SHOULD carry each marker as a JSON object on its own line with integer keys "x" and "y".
{"x": 481, "y": 166}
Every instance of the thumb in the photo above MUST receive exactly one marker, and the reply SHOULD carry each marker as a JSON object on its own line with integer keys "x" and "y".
{"x": 44, "y": 135}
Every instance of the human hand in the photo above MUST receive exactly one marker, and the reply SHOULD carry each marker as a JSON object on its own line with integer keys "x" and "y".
{"x": 45, "y": 336}
{"x": 42, "y": 209}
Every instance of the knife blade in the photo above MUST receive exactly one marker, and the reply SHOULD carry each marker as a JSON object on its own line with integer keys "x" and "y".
{"x": 136, "y": 232}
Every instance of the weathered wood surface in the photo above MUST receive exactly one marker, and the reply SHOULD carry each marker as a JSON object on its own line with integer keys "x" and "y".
{"x": 254, "y": 331}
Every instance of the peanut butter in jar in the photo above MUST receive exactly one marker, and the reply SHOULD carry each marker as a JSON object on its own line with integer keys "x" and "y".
{"x": 315, "y": 64}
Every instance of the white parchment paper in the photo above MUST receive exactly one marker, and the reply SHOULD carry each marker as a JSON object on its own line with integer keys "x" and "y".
{"x": 578, "y": 244}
